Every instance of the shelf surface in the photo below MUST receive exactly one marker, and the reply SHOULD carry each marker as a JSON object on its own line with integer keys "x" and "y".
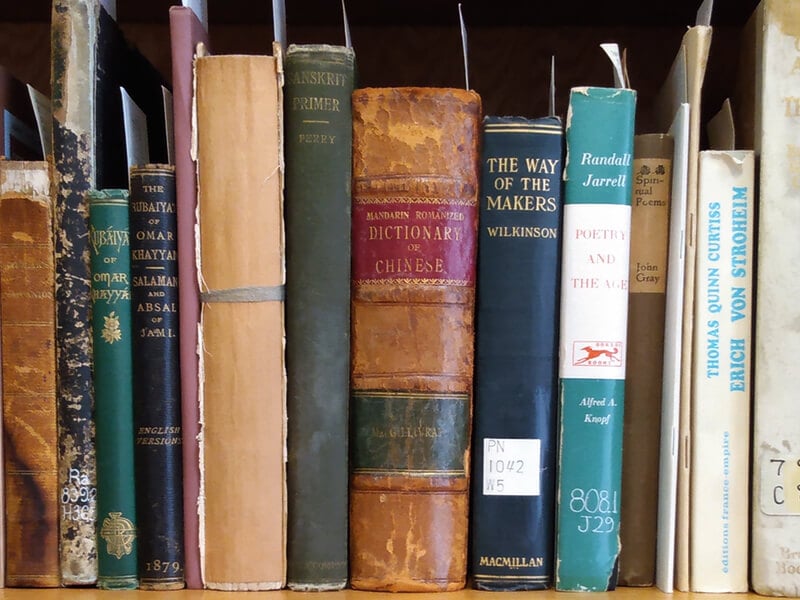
{"x": 622, "y": 593}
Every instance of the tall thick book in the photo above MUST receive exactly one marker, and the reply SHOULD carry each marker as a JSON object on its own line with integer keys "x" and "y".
{"x": 684, "y": 84}
{"x": 318, "y": 134}
{"x": 109, "y": 244}
{"x": 722, "y": 349}
{"x": 186, "y": 31}
{"x": 650, "y": 210}
{"x": 156, "y": 383}
{"x": 593, "y": 335}
{"x": 74, "y": 35}
{"x": 27, "y": 311}
{"x": 415, "y": 210}
{"x": 241, "y": 273}
{"x": 768, "y": 120}
{"x": 516, "y": 353}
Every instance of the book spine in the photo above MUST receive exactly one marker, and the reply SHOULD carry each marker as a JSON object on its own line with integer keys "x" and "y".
{"x": 318, "y": 166}
{"x": 516, "y": 353}
{"x": 722, "y": 347}
{"x": 594, "y": 313}
{"x": 771, "y": 49}
{"x": 650, "y": 209}
{"x": 243, "y": 394}
{"x": 156, "y": 385}
{"x": 73, "y": 66}
{"x": 27, "y": 312}
{"x": 415, "y": 186}
{"x": 186, "y": 32}
{"x": 109, "y": 241}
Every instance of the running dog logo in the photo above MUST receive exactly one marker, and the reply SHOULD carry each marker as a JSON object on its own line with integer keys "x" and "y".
{"x": 596, "y": 354}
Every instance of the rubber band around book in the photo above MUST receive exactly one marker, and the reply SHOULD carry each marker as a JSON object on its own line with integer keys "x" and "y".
{"x": 275, "y": 293}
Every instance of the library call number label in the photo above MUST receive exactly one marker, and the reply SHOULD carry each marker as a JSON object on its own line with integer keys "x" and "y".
{"x": 780, "y": 485}
{"x": 597, "y": 510}
{"x": 511, "y": 467}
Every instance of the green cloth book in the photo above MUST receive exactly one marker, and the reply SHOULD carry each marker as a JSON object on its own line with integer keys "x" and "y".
{"x": 109, "y": 244}
{"x": 594, "y": 312}
{"x": 318, "y": 146}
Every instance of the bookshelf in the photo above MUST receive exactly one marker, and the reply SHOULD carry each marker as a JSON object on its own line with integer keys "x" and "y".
{"x": 417, "y": 42}
{"x": 619, "y": 594}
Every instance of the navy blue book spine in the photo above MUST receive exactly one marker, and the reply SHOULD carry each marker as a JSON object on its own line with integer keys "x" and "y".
{"x": 516, "y": 354}
{"x": 156, "y": 380}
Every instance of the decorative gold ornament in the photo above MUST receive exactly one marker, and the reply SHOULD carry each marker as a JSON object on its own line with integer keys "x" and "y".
{"x": 111, "y": 331}
{"x": 119, "y": 534}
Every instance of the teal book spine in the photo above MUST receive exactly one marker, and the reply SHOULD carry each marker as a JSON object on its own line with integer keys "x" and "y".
{"x": 593, "y": 326}
{"x": 109, "y": 243}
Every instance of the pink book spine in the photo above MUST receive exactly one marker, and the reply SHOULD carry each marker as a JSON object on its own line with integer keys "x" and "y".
{"x": 186, "y": 32}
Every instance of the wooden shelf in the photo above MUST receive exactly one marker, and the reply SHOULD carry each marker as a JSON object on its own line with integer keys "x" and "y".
{"x": 416, "y": 42}
{"x": 618, "y": 594}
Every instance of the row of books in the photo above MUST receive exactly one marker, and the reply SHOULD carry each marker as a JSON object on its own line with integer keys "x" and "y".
{"x": 326, "y": 260}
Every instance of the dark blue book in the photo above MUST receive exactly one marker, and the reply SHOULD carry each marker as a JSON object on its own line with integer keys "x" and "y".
{"x": 516, "y": 366}
{"x": 158, "y": 449}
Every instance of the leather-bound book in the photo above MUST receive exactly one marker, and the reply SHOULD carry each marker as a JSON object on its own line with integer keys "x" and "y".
{"x": 647, "y": 299}
{"x": 156, "y": 382}
{"x": 74, "y": 35}
{"x": 27, "y": 303}
{"x": 241, "y": 274}
{"x": 318, "y": 162}
{"x": 516, "y": 353}
{"x": 186, "y": 31}
{"x": 109, "y": 243}
{"x": 415, "y": 209}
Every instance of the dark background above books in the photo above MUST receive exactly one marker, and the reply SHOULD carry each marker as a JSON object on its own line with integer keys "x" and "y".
{"x": 422, "y": 12}
{"x": 417, "y": 42}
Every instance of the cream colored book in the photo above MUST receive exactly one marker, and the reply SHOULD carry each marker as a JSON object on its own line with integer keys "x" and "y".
{"x": 671, "y": 379}
{"x": 240, "y": 260}
{"x": 768, "y": 103}
{"x": 684, "y": 84}
{"x": 721, "y": 372}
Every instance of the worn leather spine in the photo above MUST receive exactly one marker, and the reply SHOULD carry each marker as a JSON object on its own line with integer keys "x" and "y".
{"x": 415, "y": 186}
{"x": 516, "y": 353}
{"x": 27, "y": 311}
{"x": 156, "y": 382}
{"x": 318, "y": 163}
{"x": 117, "y": 534}
{"x": 74, "y": 32}
{"x": 241, "y": 273}
{"x": 186, "y": 31}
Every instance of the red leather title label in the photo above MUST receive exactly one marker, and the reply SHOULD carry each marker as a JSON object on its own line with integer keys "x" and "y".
{"x": 420, "y": 230}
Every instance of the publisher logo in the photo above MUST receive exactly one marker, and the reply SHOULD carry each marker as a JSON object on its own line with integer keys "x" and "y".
{"x": 596, "y": 354}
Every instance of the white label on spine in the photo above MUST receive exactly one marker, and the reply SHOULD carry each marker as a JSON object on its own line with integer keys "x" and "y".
{"x": 780, "y": 484}
{"x": 511, "y": 467}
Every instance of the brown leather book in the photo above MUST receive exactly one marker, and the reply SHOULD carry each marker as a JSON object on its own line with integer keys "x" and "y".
{"x": 241, "y": 274}
{"x": 652, "y": 179}
{"x": 415, "y": 185}
{"x": 27, "y": 312}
